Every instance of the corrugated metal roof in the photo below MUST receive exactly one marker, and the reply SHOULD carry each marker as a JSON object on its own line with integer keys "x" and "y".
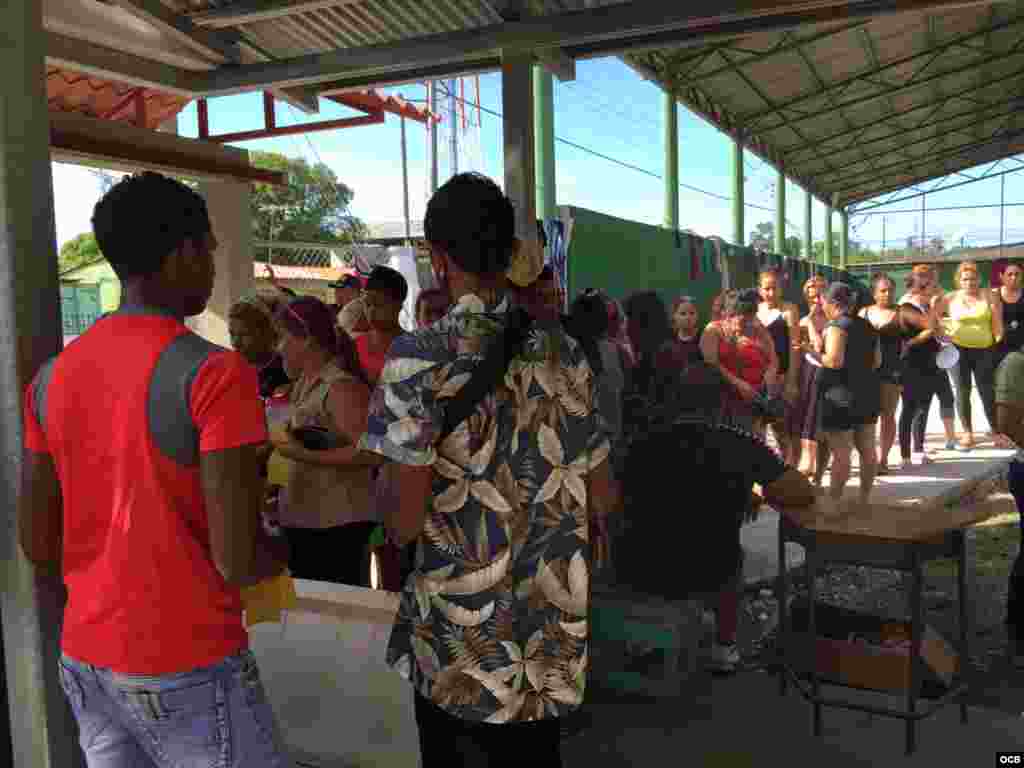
{"x": 853, "y": 110}
{"x": 72, "y": 92}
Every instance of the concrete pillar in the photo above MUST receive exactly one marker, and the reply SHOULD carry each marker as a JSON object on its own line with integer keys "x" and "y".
{"x": 844, "y": 238}
{"x": 229, "y": 206}
{"x": 42, "y": 731}
{"x": 671, "y": 110}
{"x": 544, "y": 142}
{"x": 780, "y": 212}
{"x": 808, "y": 226}
{"x": 739, "y": 236}
{"x": 828, "y": 235}
{"x": 520, "y": 177}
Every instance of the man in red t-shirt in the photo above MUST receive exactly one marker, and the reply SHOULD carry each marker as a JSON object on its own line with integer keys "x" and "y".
{"x": 385, "y": 293}
{"x": 142, "y": 483}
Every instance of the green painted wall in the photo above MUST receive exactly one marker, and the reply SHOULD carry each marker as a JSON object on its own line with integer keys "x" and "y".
{"x": 899, "y": 273}
{"x": 622, "y": 257}
{"x": 101, "y": 274}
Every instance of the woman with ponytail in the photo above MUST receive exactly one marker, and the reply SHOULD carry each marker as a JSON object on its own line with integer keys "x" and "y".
{"x": 328, "y": 514}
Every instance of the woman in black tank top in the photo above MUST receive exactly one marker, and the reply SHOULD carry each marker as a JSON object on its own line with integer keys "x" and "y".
{"x": 885, "y": 319}
{"x": 782, "y": 321}
{"x": 1011, "y": 296}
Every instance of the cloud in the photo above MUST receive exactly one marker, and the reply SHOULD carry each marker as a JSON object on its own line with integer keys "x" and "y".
{"x": 75, "y": 193}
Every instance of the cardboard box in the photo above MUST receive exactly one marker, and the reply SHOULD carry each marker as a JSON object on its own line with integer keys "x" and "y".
{"x": 864, "y": 651}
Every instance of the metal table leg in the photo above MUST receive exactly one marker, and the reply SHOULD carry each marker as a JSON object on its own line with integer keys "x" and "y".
{"x": 782, "y": 596}
{"x": 811, "y": 564}
{"x": 965, "y": 622}
{"x": 916, "y": 610}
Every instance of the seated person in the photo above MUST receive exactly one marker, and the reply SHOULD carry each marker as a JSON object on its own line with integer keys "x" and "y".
{"x": 684, "y": 453}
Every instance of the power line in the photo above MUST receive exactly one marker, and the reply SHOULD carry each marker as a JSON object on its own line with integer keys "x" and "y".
{"x": 630, "y": 166}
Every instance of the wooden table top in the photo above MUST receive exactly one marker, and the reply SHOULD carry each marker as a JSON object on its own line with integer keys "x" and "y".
{"x": 918, "y": 504}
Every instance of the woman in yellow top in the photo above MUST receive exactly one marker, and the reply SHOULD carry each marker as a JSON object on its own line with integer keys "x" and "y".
{"x": 974, "y": 325}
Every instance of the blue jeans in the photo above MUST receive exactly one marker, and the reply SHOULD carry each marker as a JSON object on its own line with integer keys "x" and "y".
{"x": 214, "y": 717}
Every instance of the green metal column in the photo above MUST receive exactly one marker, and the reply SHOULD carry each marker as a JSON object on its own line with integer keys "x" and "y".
{"x": 808, "y": 226}
{"x": 671, "y": 161}
{"x": 738, "y": 234}
{"x": 544, "y": 141}
{"x": 844, "y": 237}
{"x": 827, "y": 261}
{"x": 780, "y": 212}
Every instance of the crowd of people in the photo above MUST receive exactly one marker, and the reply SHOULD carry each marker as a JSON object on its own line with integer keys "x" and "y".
{"x": 509, "y": 450}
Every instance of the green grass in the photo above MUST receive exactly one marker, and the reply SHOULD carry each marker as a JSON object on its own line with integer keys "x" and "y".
{"x": 995, "y": 546}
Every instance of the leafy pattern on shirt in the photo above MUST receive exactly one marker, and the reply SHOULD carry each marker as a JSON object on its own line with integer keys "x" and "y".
{"x": 492, "y": 625}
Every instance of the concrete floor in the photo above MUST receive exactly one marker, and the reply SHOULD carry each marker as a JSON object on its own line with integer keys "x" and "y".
{"x": 743, "y": 721}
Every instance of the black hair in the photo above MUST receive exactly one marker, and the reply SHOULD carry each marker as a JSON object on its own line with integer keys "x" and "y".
{"x": 698, "y": 390}
{"x": 143, "y": 218}
{"x": 878, "y": 277}
{"x": 470, "y": 218}
{"x": 542, "y": 236}
{"x": 843, "y": 296}
{"x": 742, "y": 303}
{"x": 588, "y": 323}
{"x": 388, "y": 281}
{"x": 648, "y": 323}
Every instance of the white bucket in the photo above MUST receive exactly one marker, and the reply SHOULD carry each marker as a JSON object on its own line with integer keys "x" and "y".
{"x": 948, "y": 356}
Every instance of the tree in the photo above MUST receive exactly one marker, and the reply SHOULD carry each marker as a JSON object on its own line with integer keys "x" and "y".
{"x": 312, "y": 207}
{"x": 763, "y": 236}
{"x": 763, "y": 239}
{"x": 78, "y": 252}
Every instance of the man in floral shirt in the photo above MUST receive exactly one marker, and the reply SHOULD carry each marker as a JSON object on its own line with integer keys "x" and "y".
{"x": 492, "y": 625}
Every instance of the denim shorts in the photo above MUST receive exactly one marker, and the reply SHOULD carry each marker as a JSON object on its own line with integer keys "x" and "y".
{"x": 213, "y": 717}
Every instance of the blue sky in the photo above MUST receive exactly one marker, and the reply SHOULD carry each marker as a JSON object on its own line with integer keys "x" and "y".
{"x": 608, "y": 109}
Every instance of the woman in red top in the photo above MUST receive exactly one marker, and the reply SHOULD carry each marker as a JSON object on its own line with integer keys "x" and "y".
{"x": 743, "y": 351}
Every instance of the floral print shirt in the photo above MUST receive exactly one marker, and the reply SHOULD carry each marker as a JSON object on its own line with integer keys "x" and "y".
{"x": 492, "y": 624}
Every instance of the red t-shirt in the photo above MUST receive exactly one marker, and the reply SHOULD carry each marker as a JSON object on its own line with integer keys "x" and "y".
{"x": 124, "y": 411}
{"x": 371, "y": 358}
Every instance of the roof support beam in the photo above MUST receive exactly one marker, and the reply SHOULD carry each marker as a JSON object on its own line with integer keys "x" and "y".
{"x": 978, "y": 118}
{"x": 590, "y": 32}
{"x": 182, "y": 29}
{"x": 791, "y": 153}
{"x": 900, "y": 167}
{"x": 784, "y": 47}
{"x": 79, "y": 139}
{"x": 952, "y": 162}
{"x": 106, "y": 63}
{"x": 273, "y": 131}
{"x": 913, "y": 82}
{"x": 892, "y": 200}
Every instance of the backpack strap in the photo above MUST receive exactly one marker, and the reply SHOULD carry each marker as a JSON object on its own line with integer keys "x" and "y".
{"x": 490, "y": 372}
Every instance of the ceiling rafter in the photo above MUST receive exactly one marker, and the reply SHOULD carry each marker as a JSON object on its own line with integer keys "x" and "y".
{"x": 937, "y": 109}
{"x": 912, "y": 81}
{"x": 967, "y": 131}
{"x": 802, "y": 54}
{"x": 761, "y": 95}
{"x": 902, "y": 169}
{"x": 972, "y": 125}
{"x": 864, "y": 203}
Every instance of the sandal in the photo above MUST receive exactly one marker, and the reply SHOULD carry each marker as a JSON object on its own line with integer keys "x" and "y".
{"x": 882, "y": 469}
